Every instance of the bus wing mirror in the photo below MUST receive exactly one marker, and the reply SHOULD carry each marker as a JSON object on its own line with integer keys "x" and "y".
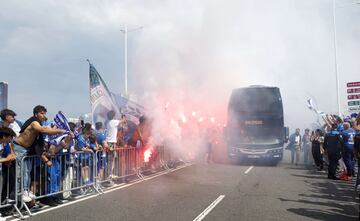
{"x": 286, "y": 134}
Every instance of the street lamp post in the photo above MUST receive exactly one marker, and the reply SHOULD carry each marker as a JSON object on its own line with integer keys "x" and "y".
{"x": 336, "y": 62}
{"x": 336, "y": 55}
{"x": 125, "y": 31}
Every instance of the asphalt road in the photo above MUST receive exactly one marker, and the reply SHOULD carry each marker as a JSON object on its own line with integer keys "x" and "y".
{"x": 277, "y": 193}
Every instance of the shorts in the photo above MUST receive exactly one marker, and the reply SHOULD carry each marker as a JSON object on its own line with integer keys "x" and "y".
{"x": 84, "y": 163}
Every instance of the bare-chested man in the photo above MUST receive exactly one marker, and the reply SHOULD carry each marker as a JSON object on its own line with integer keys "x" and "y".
{"x": 31, "y": 141}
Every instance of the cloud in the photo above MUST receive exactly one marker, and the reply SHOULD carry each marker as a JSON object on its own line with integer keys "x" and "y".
{"x": 193, "y": 50}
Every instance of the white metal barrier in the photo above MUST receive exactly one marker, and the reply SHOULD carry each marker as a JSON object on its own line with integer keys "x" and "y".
{"x": 77, "y": 173}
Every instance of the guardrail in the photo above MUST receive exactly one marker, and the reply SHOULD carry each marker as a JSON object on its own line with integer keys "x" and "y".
{"x": 78, "y": 173}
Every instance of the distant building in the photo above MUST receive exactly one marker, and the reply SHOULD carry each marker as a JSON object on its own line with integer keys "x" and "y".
{"x": 3, "y": 95}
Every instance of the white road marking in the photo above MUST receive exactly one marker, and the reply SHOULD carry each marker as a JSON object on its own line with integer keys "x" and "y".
{"x": 248, "y": 170}
{"x": 202, "y": 215}
{"x": 92, "y": 196}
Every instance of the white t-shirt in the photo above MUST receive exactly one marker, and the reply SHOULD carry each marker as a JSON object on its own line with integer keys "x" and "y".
{"x": 111, "y": 131}
{"x": 15, "y": 127}
{"x": 297, "y": 140}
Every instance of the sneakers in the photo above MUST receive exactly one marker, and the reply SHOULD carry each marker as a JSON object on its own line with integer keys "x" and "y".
{"x": 358, "y": 188}
{"x": 25, "y": 197}
{"x": 48, "y": 201}
{"x": 32, "y": 195}
{"x": 57, "y": 200}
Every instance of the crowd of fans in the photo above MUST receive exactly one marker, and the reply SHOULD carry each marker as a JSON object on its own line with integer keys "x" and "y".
{"x": 60, "y": 162}
{"x": 336, "y": 145}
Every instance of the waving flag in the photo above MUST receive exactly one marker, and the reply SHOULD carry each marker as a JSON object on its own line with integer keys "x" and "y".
{"x": 310, "y": 104}
{"x": 133, "y": 111}
{"x": 100, "y": 98}
{"x": 60, "y": 122}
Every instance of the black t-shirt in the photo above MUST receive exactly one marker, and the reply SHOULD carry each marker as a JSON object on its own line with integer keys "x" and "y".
{"x": 37, "y": 147}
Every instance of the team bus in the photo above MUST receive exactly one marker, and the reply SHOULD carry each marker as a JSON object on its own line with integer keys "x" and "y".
{"x": 255, "y": 125}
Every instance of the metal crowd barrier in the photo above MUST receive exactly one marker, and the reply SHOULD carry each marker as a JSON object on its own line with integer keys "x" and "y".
{"x": 8, "y": 191}
{"x": 76, "y": 173}
{"x": 123, "y": 163}
{"x": 70, "y": 172}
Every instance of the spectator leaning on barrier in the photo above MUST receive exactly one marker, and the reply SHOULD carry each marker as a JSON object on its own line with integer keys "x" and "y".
{"x": 6, "y": 136}
{"x": 30, "y": 139}
{"x": 8, "y": 168}
{"x": 83, "y": 144}
{"x": 7, "y": 159}
{"x": 103, "y": 145}
{"x": 8, "y": 120}
{"x": 332, "y": 145}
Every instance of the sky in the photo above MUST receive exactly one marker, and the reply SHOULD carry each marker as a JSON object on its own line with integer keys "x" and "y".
{"x": 190, "y": 53}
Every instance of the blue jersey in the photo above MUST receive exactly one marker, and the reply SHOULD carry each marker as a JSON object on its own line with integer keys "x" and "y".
{"x": 332, "y": 142}
{"x": 92, "y": 146}
{"x": 81, "y": 143}
{"x": 6, "y": 151}
{"x": 340, "y": 128}
{"x": 348, "y": 138}
{"x": 100, "y": 137}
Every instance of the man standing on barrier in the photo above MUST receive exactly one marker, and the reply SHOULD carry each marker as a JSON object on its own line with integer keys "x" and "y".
{"x": 31, "y": 140}
{"x": 111, "y": 135}
{"x": 332, "y": 145}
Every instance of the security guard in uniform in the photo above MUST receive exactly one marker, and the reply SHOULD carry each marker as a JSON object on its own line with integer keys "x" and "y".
{"x": 333, "y": 144}
{"x": 348, "y": 136}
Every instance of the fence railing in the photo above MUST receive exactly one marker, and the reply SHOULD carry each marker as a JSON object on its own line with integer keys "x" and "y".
{"x": 78, "y": 173}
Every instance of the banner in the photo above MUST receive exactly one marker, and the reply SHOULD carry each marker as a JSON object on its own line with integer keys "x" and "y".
{"x": 100, "y": 98}
{"x": 132, "y": 112}
{"x": 130, "y": 109}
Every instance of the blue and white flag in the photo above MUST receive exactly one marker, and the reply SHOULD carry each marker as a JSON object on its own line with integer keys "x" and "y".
{"x": 60, "y": 122}
{"x": 100, "y": 98}
{"x": 310, "y": 104}
{"x": 132, "y": 111}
